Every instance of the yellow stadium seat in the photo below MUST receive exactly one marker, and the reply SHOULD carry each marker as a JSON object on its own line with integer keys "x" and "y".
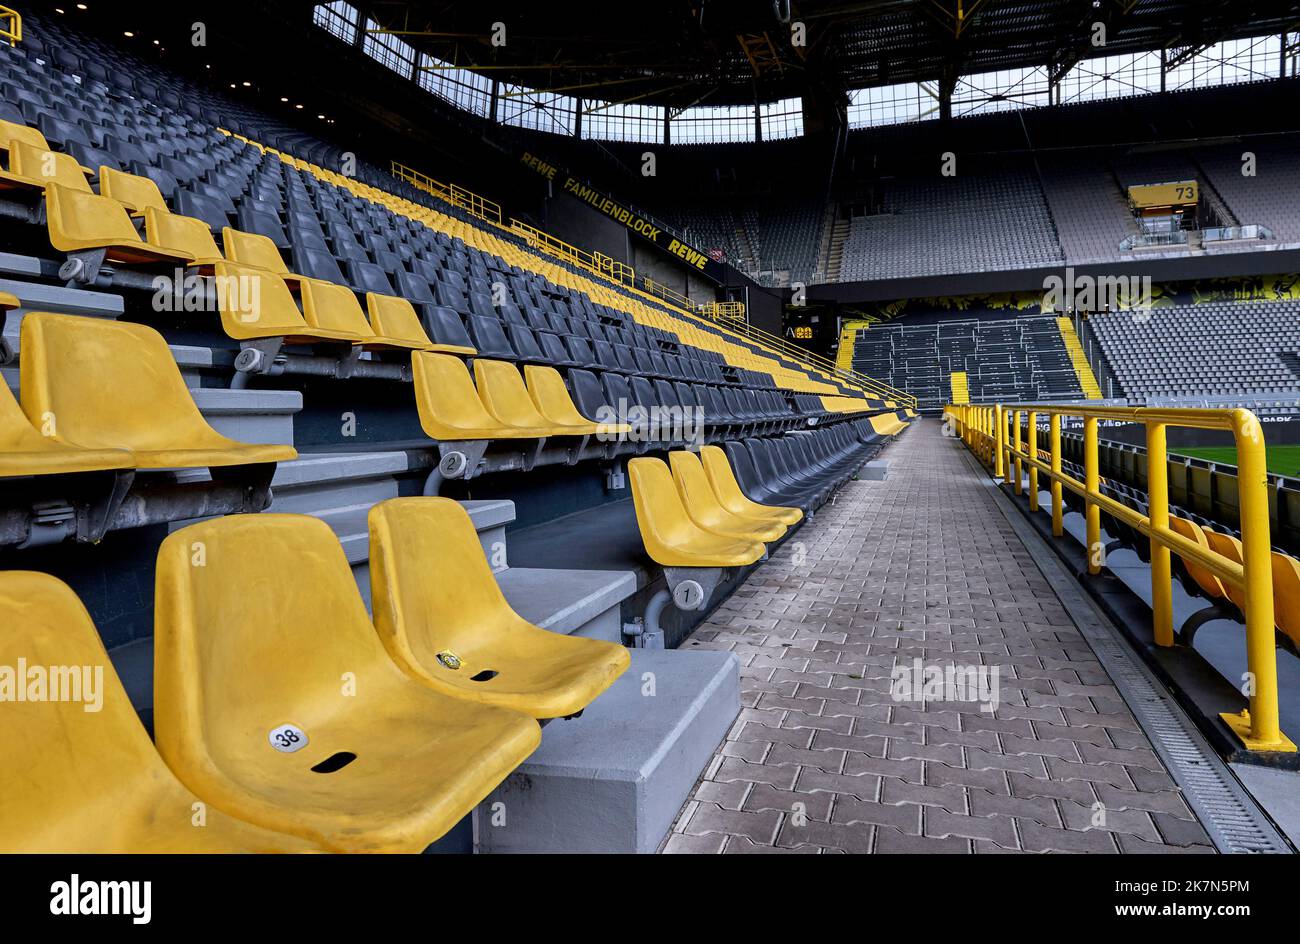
{"x": 258, "y": 251}
{"x": 255, "y": 303}
{"x": 449, "y": 406}
{"x": 275, "y": 700}
{"x": 1207, "y": 581}
{"x": 1227, "y": 546}
{"x": 133, "y": 192}
{"x": 103, "y": 384}
{"x": 887, "y": 424}
{"x": 24, "y": 451}
{"x": 32, "y": 167}
{"x": 11, "y": 132}
{"x": 335, "y": 308}
{"x": 1286, "y": 595}
{"x": 182, "y": 233}
{"x": 86, "y": 778}
{"x": 442, "y": 617}
{"x": 729, "y": 494}
{"x": 705, "y": 509}
{"x": 670, "y": 537}
{"x": 394, "y": 317}
{"x": 506, "y": 398}
{"x": 551, "y": 397}
{"x": 78, "y": 221}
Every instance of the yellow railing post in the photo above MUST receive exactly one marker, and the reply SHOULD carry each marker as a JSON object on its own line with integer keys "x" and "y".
{"x": 999, "y": 439}
{"x": 1092, "y": 488}
{"x": 1015, "y": 442}
{"x": 1006, "y": 446}
{"x": 1058, "y": 511}
{"x": 1032, "y": 449}
{"x": 1259, "y": 729}
{"x": 1162, "y": 605}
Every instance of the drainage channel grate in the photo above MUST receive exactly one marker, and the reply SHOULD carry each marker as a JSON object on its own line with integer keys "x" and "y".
{"x": 1233, "y": 820}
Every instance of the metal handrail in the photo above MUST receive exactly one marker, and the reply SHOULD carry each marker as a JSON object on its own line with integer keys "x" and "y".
{"x": 984, "y": 430}
{"x": 11, "y": 26}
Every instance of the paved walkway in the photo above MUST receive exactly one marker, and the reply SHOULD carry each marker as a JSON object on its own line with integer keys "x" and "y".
{"x": 824, "y": 759}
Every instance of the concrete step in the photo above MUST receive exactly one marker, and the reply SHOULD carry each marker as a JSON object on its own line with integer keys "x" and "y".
{"x": 251, "y": 416}
{"x": 614, "y": 779}
{"x": 579, "y": 602}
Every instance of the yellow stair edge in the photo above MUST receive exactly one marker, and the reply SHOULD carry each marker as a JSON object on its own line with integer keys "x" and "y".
{"x": 1087, "y": 379}
{"x": 960, "y": 387}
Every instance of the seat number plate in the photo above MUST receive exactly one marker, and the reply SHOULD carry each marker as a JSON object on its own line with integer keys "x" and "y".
{"x": 288, "y": 738}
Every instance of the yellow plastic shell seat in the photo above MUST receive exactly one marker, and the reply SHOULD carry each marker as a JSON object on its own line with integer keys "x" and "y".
{"x": 258, "y": 251}
{"x": 34, "y": 168}
{"x": 335, "y": 308}
{"x": 1227, "y": 546}
{"x": 729, "y": 494}
{"x": 433, "y": 594}
{"x": 449, "y": 405}
{"x": 184, "y": 233}
{"x": 1206, "y": 580}
{"x": 77, "y": 221}
{"x": 1286, "y": 595}
{"x": 102, "y": 384}
{"x": 134, "y": 192}
{"x": 887, "y": 424}
{"x": 394, "y": 317}
{"x": 24, "y": 451}
{"x": 271, "y": 631}
{"x": 670, "y": 537}
{"x": 504, "y": 395}
{"x": 92, "y": 781}
{"x": 551, "y": 397}
{"x": 12, "y": 131}
{"x": 255, "y": 303}
{"x": 705, "y": 509}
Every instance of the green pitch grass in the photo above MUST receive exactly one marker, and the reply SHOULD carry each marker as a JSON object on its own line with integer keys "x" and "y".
{"x": 1282, "y": 460}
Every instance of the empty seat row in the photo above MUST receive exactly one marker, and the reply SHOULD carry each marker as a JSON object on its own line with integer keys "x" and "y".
{"x": 278, "y": 703}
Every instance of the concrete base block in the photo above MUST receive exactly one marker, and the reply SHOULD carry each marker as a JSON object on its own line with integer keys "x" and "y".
{"x": 877, "y": 470}
{"x": 251, "y": 416}
{"x": 614, "y": 780}
{"x": 578, "y": 602}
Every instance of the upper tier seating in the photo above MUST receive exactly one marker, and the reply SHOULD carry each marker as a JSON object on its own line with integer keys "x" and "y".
{"x": 1005, "y": 358}
{"x": 1215, "y": 348}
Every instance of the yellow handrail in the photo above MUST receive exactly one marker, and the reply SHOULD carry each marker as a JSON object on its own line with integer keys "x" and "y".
{"x": 454, "y": 194}
{"x": 984, "y": 430}
{"x": 11, "y": 26}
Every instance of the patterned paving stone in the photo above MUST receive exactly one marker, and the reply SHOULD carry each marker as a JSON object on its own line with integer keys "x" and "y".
{"x": 921, "y": 574}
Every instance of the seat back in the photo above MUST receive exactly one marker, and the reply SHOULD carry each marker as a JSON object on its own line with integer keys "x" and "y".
{"x": 258, "y": 623}
{"x": 663, "y": 519}
{"x": 334, "y": 308}
{"x": 132, "y": 191}
{"x": 107, "y": 384}
{"x": 431, "y": 586}
{"x": 11, "y": 132}
{"x": 445, "y": 396}
{"x": 253, "y": 249}
{"x": 721, "y": 477}
{"x": 255, "y": 303}
{"x": 1286, "y": 595}
{"x": 393, "y": 317}
{"x": 74, "y": 758}
{"x": 173, "y": 231}
{"x": 551, "y": 397}
{"x": 1207, "y": 581}
{"x": 1229, "y": 547}
{"x": 505, "y": 396}
{"x": 696, "y": 493}
{"x": 46, "y": 167}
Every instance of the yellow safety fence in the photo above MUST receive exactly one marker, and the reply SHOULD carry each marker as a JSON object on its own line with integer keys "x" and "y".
{"x": 11, "y": 26}
{"x": 993, "y": 434}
